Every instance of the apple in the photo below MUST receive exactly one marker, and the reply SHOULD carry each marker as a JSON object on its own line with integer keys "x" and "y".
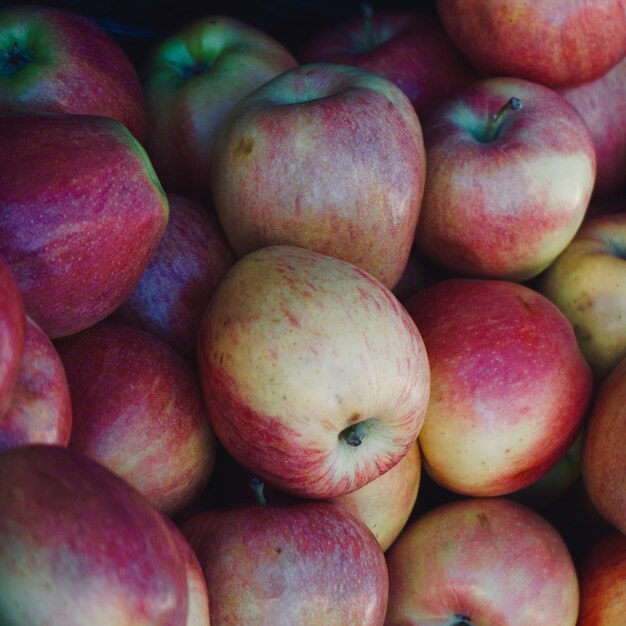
{"x": 314, "y": 376}
{"x": 40, "y": 410}
{"x": 604, "y": 461}
{"x": 137, "y": 409}
{"x": 59, "y": 61}
{"x": 509, "y": 386}
{"x": 308, "y": 563}
{"x": 587, "y": 282}
{"x": 326, "y": 157}
{"x": 510, "y": 172}
{"x": 189, "y": 263}
{"x": 79, "y": 546}
{"x": 552, "y": 42}
{"x": 481, "y": 561}
{"x": 408, "y": 47}
{"x": 602, "y": 573}
{"x": 193, "y": 78}
{"x": 81, "y": 212}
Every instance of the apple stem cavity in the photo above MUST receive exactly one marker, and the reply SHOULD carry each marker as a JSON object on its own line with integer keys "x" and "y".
{"x": 495, "y": 122}
{"x": 186, "y": 71}
{"x": 354, "y": 435}
{"x": 256, "y": 484}
{"x": 13, "y": 60}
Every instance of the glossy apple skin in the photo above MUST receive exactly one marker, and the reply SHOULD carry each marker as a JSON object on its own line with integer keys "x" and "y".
{"x": 326, "y": 157}
{"x": 81, "y": 213}
{"x": 489, "y": 560}
{"x": 506, "y": 207}
{"x": 282, "y": 565}
{"x": 295, "y": 349}
{"x": 410, "y": 48}
{"x": 192, "y": 80}
{"x": 12, "y": 333}
{"x": 80, "y": 546}
{"x": 138, "y": 410}
{"x": 602, "y": 573}
{"x": 555, "y": 43}
{"x": 74, "y": 67}
{"x": 587, "y": 283}
{"x": 189, "y": 263}
{"x": 604, "y": 462}
{"x": 40, "y": 410}
{"x": 509, "y": 386}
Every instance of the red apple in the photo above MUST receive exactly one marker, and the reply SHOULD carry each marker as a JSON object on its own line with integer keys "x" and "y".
{"x": 552, "y": 42}
{"x": 510, "y": 171}
{"x": 326, "y": 157}
{"x": 481, "y": 561}
{"x": 58, "y": 61}
{"x": 509, "y": 386}
{"x": 80, "y": 546}
{"x": 41, "y": 408}
{"x": 81, "y": 212}
{"x": 314, "y": 376}
{"x": 137, "y": 409}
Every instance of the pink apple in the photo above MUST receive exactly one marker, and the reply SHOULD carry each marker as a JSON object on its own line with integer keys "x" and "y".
{"x": 189, "y": 263}
{"x": 40, "y": 410}
{"x": 509, "y": 386}
{"x": 510, "y": 171}
{"x": 326, "y": 157}
{"x": 481, "y": 561}
{"x": 81, "y": 212}
{"x": 192, "y": 80}
{"x": 137, "y": 409}
{"x": 314, "y": 376}
{"x": 552, "y": 42}
{"x": 58, "y": 61}
{"x": 79, "y": 546}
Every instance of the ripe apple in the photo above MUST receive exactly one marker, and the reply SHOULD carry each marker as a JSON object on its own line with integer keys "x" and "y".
{"x": 327, "y": 157}
{"x": 192, "y": 80}
{"x": 408, "y": 47}
{"x": 510, "y": 171}
{"x": 587, "y": 283}
{"x": 509, "y": 386}
{"x": 137, "y": 409}
{"x": 552, "y": 42}
{"x": 58, "y": 61}
{"x": 79, "y": 546}
{"x": 307, "y": 563}
{"x": 81, "y": 212}
{"x": 481, "y": 561}
{"x": 189, "y": 263}
{"x": 40, "y": 410}
{"x": 314, "y": 376}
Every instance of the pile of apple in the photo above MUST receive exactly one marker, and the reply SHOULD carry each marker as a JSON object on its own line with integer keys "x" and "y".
{"x": 326, "y": 336}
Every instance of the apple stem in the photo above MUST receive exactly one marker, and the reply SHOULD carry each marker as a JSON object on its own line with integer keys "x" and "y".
{"x": 368, "y": 21}
{"x": 354, "y": 435}
{"x": 14, "y": 60}
{"x": 495, "y": 122}
{"x": 256, "y": 484}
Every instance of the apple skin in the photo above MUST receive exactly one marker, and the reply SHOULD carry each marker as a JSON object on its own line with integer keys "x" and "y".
{"x": 587, "y": 281}
{"x": 81, "y": 213}
{"x": 73, "y": 66}
{"x": 80, "y": 546}
{"x": 326, "y": 157}
{"x": 410, "y": 48}
{"x": 305, "y": 563}
{"x": 481, "y": 561}
{"x": 137, "y": 409}
{"x": 509, "y": 386}
{"x": 40, "y": 410}
{"x": 192, "y": 80}
{"x": 602, "y": 573}
{"x": 552, "y": 42}
{"x": 190, "y": 261}
{"x": 503, "y": 206}
{"x": 296, "y": 351}
{"x": 604, "y": 462}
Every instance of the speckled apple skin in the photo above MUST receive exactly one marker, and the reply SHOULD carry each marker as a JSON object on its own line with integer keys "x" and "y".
{"x": 305, "y": 564}
{"x": 79, "y": 546}
{"x": 490, "y": 560}
{"x": 81, "y": 213}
